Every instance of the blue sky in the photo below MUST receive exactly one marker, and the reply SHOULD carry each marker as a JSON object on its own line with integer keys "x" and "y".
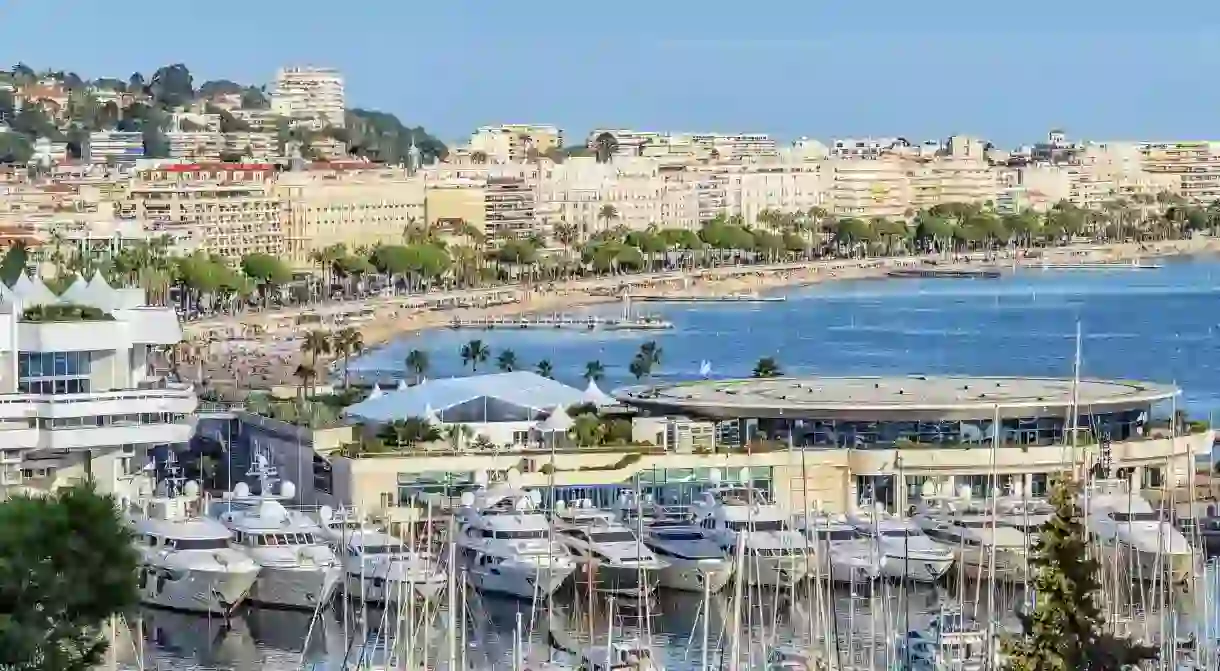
{"x": 1007, "y": 71}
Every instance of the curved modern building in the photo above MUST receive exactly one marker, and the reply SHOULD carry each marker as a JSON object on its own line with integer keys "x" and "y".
{"x": 882, "y": 438}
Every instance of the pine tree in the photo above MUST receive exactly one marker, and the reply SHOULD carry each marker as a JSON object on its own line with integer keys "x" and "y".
{"x": 1065, "y": 630}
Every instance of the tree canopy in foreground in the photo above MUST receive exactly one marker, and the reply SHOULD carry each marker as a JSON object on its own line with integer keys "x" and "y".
{"x": 1065, "y": 629}
{"x": 66, "y": 566}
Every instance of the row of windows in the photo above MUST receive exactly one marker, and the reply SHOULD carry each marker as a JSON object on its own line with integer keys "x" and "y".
{"x": 132, "y": 419}
{"x": 49, "y": 364}
{"x": 71, "y": 385}
{"x": 273, "y": 540}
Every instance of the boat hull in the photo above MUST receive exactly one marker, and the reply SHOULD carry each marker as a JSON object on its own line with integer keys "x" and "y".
{"x": 774, "y": 571}
{"x": 696, "y": 575}
{"x": 523, "y": 581}
{"x": 196, "y": 590}
{"x": 628, "y": 580}
{"x": 1149, "y": 566}
{"x": 914, "y": 568}
{"x": 297, "y": 587}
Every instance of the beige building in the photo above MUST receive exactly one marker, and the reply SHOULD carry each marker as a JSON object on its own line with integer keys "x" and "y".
{"x": 225, "y": 209}
{"x": 1196, "y": 163}
{"x": 509, "y": 143}
{"x": 253, "y": 146}
{"x": 951, "y": 180}
{"x": 578, "y": 191}
{"x": 692, "y": 146}
{"x": 356, "y": 208}
{"x": 204, "y": 146}
{"x": 314, "y": 96}
{"x": 866, "y": 188}
{"x": 450, "y": 204}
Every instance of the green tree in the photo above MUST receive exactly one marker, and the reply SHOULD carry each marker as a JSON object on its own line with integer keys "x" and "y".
{"x": 474, "y": 353}
{"x": 14, "y": 264}
{"x": 409, "y": 432}
{"x": 640, "y": 367}
{"x": 172, "y": 86}
{"x": 507, "y": 360}
{"x": 68, "y": 566}
{"x": 15, "y": 148}
{"x": 594, "y": 371}
{"x": 1064, "y": 630}
{"x": 268, "y": 272}
{"x": 417, "y": 363}
{"x": 545, "y": 369}
{"x": 767, "y": 367}
{"x": 316, "y": 343}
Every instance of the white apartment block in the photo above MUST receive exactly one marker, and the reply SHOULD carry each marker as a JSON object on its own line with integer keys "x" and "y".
{"x": 254, "y": 146}
{"x": 697, "y": 146}
{"x": 749, "y": 189}
{"x": 116, "y": 147}
{"x": 46, "y": 152}
{"x": 84, "y": 396}
{"x": 868, "y": 187}
{"x": 195, "y": 122}
{"x": 1195, "y": 163}
{"x": 576, "y": 191}
{"x": 951, "y": 180}
{"x": 259, "y": 120}
{"x": 869, "y": 147}
{"x": 311, "y": 95}
{"x": 195, "y": 146}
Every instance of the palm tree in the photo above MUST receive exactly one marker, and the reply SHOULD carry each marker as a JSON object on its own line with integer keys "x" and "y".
{"x": 507, "y": 361}
{"x": 306, "y": 374}
{"x": 651, "y": 353}
{"x": 640, "y": 366}
{"x": 417, "y": 363}
{"x": 315, "y": 344}
{"x": 545, "y": 369}
{"x": 607, "y": 213}
{"x": 458, "y": 435}
{"x": 474, "y": 353}
{"x": 767, "y": 367}
{"x": 594, "y": 371}
{"x": 347, "y": 343}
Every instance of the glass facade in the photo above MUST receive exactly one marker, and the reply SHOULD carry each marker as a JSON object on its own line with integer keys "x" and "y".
{"x": 53, "y": 372}
{"x": 885, "y": 435}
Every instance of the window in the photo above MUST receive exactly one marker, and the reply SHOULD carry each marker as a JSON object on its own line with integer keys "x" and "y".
{"x": 53, "y": 372}
{"x": 613, "y": 537}
{"x": 197, "y": 543}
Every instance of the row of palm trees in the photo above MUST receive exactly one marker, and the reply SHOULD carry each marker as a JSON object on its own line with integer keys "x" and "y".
{"x": 345, "y": 343}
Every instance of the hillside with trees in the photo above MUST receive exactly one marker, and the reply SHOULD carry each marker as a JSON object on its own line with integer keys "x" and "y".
{"x": 148, "y": 103}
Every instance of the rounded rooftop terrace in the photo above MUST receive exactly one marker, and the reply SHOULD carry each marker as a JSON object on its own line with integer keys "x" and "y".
{"x": 914, "y": 398}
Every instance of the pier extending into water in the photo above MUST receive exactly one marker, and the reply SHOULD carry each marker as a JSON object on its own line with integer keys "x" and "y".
{"x": 724, "y": 298}
{"x": 944, "y": 273}
{"x": 590, "y": 323}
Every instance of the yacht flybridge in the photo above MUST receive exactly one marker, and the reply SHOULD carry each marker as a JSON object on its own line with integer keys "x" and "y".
{"x": 508, "y": 546}
{"x": 1136, "y": 538}
{"x": 186, "y": 562}
{"x": 299, "y": 570}
{"x": 615, "y": 559}
{"x": 773, "y": 553}
{"x": 906, "y": 553}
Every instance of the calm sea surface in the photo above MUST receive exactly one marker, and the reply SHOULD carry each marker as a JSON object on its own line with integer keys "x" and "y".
{"x": 1160, "y": 325}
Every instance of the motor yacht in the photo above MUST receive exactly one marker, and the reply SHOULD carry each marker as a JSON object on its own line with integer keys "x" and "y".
{"x": 983, "y": 545}
{"x": 615, "y": 559}
{"x": 1135, "y": 537}
{"x": 299, "y": 570}
{"x": 696, "y": 562}
{"x": 843, "y": 555}
{"x": 338, "y": 524}
{"x": 381, "y": 569}
{"x": 951, "y": 642}
{"x": 186, "y": 562}
{"x": 906, "y": 553}
{"x": 774, "y": 553}
{"x": 507, "y": 544}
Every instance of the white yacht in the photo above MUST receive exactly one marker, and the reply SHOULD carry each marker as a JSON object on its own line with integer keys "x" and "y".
{"x": 906, "y": 553}
{"x": 951, "y": 643}
{"x": 842, "y": 553}
{"x": 382, "y": 569}
{"x": 615, "y": 559}
{"x": 774, "y": 554}
{"x": 1135, "y": 537}
{"x": 185, "y": 559}
{"x": 696, "y": 562}
{"x": 974, "y": 534}
{"x": 338, "y": 525}
{"x": 507, "y": 545}
{"x": 299, "y": 570}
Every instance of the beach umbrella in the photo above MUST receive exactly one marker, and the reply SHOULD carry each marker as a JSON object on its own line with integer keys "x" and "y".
{"x": 402, "y": 384}
{"x": 376, "y": 393}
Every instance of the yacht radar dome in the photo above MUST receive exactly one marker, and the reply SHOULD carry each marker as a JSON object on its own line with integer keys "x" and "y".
{"x": 928, "y": 489}
{"x": 535, "y": 497}
{"x": 467, "y": 499}
{"x": 325, "y": 513}
{"x": 560, "y": 505}
{"x": 241, "y": 490}
{"x": 288, "y": 489}
{"x": 191, "y": 489}
{"x": 480, "y": 478}
{"x": 964, "y": 492}
{"x": 522, "y": 504}
{"x": 714, "y": 476}
{"x": 513, "y": 477}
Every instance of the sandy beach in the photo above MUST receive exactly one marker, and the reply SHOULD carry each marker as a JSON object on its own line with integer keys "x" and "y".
{"x": 261, "y": 350}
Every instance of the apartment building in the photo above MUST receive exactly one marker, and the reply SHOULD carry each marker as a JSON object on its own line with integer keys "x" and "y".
{"x": 1195, "y": 163}
{"x": 688, "y": 146}
{"x": 353, "y": 207}
{"x": 509, "y": 143}
{"x": 310, "y": 95}
{"x": 116, "y": 147}
{"x": 949, "y": 179}
{"x": 259, "y": 120}
{"x": 748, "y": 189}
{"x": 192, "y": 146}
{"x": 251, "y": 146}
{"x": 224, "y": 208}
{"x": 47, "y": 152}
{"x": 869, "y": 147}
{"x": 579, "y": 190}
{"x": 451, "y": 203}
{"x": 199, "y": 122}
{"x": 868, "y": 187}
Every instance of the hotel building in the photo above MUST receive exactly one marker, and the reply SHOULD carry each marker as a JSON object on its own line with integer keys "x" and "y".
{"x": 514, "y": 143}
{"x": 1195, "y": 163}
{"x": 123, "y": 148}
{"x": 311, "y": 95}
{"x": 82, "y": 392}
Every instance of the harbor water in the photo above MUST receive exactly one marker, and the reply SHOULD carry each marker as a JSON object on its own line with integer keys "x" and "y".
{"x": 1160, "y": 325}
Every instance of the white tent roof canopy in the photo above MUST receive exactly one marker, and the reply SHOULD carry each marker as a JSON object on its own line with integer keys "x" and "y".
{"x": 522, "y": 389}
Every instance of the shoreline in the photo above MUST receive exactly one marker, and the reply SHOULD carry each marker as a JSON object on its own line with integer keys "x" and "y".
{"x": 257, "y": 355}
